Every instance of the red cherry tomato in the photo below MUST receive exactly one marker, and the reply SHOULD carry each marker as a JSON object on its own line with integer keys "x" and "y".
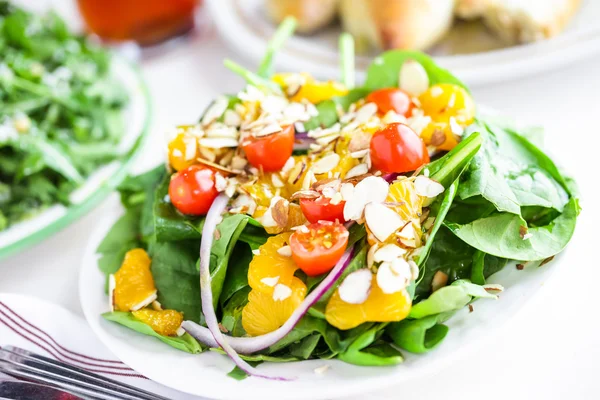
{"x": 392, "y": 99}
{"x": 318, "y": 248}
{"x": 270, "y": 152}
{"x": 321, "y": 209}
{"x": 397, "y": 148}
{"x": 192, "y": 190}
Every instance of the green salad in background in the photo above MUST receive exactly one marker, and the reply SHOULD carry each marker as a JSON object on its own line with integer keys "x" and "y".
{"x": 61, "y": 112}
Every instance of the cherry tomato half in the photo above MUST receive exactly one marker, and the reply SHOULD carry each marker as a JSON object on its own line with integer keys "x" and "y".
{"x": 318, "y": 248}
{"x": 397, "y": 148}
{"x": 192, "y": 190}
{"x": 270, "y": 152}
{"x": 321, "y": 209}
{"x": 392, "y": 99}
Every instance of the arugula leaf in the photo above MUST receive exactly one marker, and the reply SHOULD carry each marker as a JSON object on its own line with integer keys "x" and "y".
{"x": 419, "y": 335}
{"x": 384, "y": 71}
{"x": 502, "y": 234}
{"x": 184, "y": 343}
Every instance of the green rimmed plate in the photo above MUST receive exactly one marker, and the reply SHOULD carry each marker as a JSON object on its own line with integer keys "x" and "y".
{"x": 102, "y": 182}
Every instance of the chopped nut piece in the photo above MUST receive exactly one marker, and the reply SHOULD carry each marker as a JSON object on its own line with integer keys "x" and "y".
{"x": 440, "y": 279}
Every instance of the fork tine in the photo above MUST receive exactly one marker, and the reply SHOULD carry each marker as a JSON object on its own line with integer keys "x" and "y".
{"x": 35, "y": 366}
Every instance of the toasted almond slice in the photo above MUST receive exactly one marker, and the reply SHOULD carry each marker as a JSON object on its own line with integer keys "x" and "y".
{"x": 371, "y": 189}
{"x": 232, "y": 118}
{"x": 357, "y": 170}
{"x": 336, "y": 198}
{"x": 413, "y": 78}
{"x": 309, "y": 179}
{"x": 281, "y": 292}
{"x": 356, "y": 287}
{"x": 276, "y": 180}
{"x": 346, "y": 190}
{"x": 326, "y": 163}
{"x": 493, "y": 288}
{"x": 322, "y": 369}
{"x": 305, "y": 194}
{"x": 215, "y": 166}
{"x": 440, "y": 279}
{"x": 359, "y": 153}
{"x": 285, "y": 251}
{"x": 427, "y": 187}
{"x": 287, "y": 167}
{"x": 382, "y": 221}
{"x": 388, "y": 252}
{"x": 296, "y": 172}
{"x": 393, "y": 276}
{"x": 267, "y": 130}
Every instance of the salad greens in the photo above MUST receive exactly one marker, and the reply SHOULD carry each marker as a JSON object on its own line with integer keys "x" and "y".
{"x": 60, "y": 115}
{"x": 504, "y": 200}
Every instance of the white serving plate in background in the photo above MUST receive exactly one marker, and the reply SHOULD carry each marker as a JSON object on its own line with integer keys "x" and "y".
{"x": 247, "y": 29}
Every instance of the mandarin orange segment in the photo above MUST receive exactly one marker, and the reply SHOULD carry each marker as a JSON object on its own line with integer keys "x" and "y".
{"x": 264, "y": 313}
{"x": 440, "y": 135}
{"x": 163, "y": 322}
{"x": 379, "y": 307}
{"x": 405, "y": 200}
{"x": 134, "y": 285}
{"x": 269, "y": 268}
{"x": 445, "y": 100}
{"x": 182, "y": 151}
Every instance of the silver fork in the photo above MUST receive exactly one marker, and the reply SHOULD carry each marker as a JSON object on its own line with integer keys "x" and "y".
{"x": 24, "y": 364}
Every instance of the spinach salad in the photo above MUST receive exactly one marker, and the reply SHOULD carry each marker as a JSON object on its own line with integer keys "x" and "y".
{"x": 302, "y": 219}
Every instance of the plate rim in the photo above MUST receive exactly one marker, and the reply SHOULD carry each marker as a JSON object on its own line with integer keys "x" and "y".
{"x": 74, "y": 212}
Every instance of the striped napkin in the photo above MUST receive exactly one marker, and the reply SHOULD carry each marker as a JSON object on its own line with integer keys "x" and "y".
{"x": 52, "y": 331}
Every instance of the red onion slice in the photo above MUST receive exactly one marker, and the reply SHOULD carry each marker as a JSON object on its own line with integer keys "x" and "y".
{"x": 208, "y": 231}
{"x": 249, "y": 345}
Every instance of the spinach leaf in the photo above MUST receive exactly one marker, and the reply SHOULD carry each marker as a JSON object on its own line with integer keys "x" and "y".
{"x": 502, "y": 234}
{"x": 419, "y": 335}
{"x": 454, "y": 257}
{"x": 170, "y": 224}
{"x": 184, "y": 343}
{"x": 232, "y": 312}
{"x": 328, "y": 109}
{"x": 510, "y": 172}
{"x": 367, "y": 350}
{"x": 176, "y": 277}
{"x": 237, "y": 272}
{"x": 448, "y": 168}
{"x": 122, "y": 237}
{"x": 227, "y": 234}
{"x": 384, "y": 71}
{"x": 449, "y": 298}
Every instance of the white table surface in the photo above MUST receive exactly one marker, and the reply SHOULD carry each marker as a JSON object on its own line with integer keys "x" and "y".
{"x": 551, "y": 348}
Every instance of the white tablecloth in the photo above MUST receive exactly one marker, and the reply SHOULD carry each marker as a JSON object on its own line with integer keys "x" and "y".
{"x": 550, "y": 350}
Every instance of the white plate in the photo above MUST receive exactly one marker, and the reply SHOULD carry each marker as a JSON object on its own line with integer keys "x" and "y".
{"x": 246, "y": 28}
{"x": 205, "y": 374}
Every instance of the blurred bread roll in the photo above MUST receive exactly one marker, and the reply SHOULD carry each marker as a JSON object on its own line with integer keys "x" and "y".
{"x": 517, "y": 21}
{"x": 312, "y": 15}
{"x": 396, "y": 24}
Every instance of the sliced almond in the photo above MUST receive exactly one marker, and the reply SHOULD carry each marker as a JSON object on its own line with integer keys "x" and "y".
{"x": 244, "y": 204}
{"x": 371, "y": 189}
{"x": 336, "y": 198}
{"x": 281, "y": 292}
{"x": 427, "y": 187}
{"x": 388, "y": 252}
{"x": 218, "y": 142}
{"x": 365, "y": 113}
{"x": 215, "y": 110}
{"x": 414, "y": 269}
{"x": 371, "y": 254}
{"x": 112, "y": 284}
{"x": 156, "y": 306}
{"x": 285, "y": 251}
{"x": 356, "y": 287}
{"x": 238, "y": 163}
{"x": 232, "y": 118}
{"x": 296, "y": 172}
{"x": 280, "y": 212}
{"x": 346, "y": 190}
{"x": 393, "y": 276}
{"x": 382, "y": 221}
{"x": 359, "y": 141}
{"x": 287, "y": 167}
{"x": 309, "y": 179}
{"x": 359, "y": 153}
{"x": 270, "y": 281}
{"x": 440, "y": 279}
{"x": 326, "y": 164}
{"x": 392, "y": 117}
{"x": 357, "y": 170}
{"x": 408, "y": 236}
{"x": 413, "y": 78}
{"x": 305, "y": 194}
{"x": 144, "y": 303}
{"x": 455, "y": 127}
{"x": 267, "y": 130}
{"x": 276, "y": 180}
{"x": 220, "y": 182}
